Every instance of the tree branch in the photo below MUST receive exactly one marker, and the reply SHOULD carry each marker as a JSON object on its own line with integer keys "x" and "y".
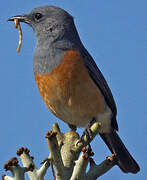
{"x": 17, "y": 171}
{"x": 68, "y": 155}
{"x": 26, "y": 159}
{"x": 96, "y": 171}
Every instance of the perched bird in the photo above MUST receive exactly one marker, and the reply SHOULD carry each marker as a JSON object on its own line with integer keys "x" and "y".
{"x": 69, "y": 81}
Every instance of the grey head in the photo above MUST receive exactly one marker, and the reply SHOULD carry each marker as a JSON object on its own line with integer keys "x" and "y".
{"x": 49, "y": 22}
{"x": 55, "y": 32}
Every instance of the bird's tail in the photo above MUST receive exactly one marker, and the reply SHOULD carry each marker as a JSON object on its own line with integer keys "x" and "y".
{"x": 125, "y": 161}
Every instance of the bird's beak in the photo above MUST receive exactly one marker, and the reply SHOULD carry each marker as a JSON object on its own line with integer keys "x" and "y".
{"x": 21, "y": 18}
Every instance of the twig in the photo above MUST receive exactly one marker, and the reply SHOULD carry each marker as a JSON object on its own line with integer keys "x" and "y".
{"x": 26, "y": 159}
{"x": 96, "y": 171}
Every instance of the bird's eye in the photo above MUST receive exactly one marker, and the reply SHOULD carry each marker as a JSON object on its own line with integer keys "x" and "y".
{"x": 38, "y": 16}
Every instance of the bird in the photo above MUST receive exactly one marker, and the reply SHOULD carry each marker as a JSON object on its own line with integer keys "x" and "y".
{"x": 69, "y": 81}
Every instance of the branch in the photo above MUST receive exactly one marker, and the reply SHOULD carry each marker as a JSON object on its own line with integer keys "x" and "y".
{"x": 79, "y": 171}
{"x": 17, "y": 171}
{"x": 96, "y": 171}
{"x": 26, "y": 159}
{"x": 68, "y": 155}
{"x": 55, "y": 155}
{"x": 65, "y": 150}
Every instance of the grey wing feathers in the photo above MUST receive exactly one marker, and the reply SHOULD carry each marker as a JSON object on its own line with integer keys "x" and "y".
{"x": 99, "y": 80}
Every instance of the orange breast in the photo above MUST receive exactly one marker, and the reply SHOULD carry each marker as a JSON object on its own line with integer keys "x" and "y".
{"x": 69, "y": 92}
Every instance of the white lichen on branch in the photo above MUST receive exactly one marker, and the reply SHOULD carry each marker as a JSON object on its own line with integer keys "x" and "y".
{"x": 68, "y": 159}
{"x": 71, "y": 165}
{"x": 16, "y": 170}
{"x": 26, "y": 159}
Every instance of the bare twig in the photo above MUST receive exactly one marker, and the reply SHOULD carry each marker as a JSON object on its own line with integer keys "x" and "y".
{"x": 17, "y": 171}
{"x": 64, "y": 157}
{"x": 26, "y": 159}
{"x": 55, "y": 154}
{"x": 96, "y": 171}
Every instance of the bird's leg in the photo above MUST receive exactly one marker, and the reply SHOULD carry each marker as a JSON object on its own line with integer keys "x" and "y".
{"x": 88, "y": 132}
{"x": 72, "y": 127}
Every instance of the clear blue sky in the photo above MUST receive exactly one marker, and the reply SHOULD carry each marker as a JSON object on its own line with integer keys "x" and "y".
{"x": 115, "y": 33}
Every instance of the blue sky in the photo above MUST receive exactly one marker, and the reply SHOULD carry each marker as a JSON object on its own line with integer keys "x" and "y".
{"x": 115, "y": 33}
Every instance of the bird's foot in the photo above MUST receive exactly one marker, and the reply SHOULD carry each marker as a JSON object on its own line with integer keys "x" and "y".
{"x": 72, "y": 127}
{"x": 88, "y": 131}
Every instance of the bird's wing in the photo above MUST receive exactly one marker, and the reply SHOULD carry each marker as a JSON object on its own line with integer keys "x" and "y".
{"x": 100, "y": 81}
